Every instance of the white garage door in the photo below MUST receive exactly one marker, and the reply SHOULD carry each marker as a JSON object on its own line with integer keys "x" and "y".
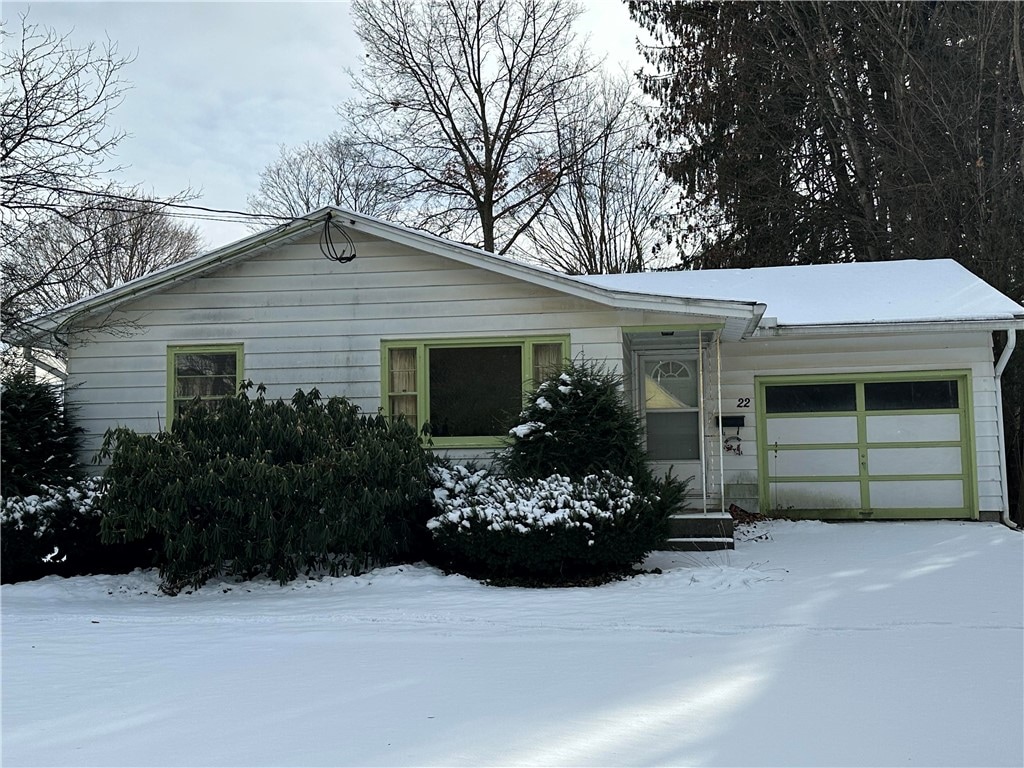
{"x": 892, "y": 446}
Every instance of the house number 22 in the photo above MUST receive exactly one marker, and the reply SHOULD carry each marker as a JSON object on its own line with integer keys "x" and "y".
{"x": 743, "y": 402}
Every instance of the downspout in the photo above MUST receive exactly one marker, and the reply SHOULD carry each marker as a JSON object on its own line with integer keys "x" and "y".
{"x": 721, "y": 428}
{"x": 703, "y": 442}
{"x": 1004, "y": 358}
{"x": 55, "y": 372}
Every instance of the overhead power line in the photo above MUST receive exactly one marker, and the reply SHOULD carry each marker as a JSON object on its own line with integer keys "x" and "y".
{"x": 202, "y": 212}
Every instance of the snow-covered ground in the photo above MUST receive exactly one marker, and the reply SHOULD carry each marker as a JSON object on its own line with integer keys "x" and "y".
{"x": 858, "y": 644}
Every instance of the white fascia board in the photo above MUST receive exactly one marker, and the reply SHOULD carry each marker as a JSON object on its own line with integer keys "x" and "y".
{"x": 423, "y": 241}
{"x": 922, "y": 326}
{"x": 465, "y": 254}
{"x": 44, "y": 325}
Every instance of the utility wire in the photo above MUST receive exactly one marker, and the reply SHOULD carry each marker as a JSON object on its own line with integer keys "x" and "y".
{"x": 239, "y": 216}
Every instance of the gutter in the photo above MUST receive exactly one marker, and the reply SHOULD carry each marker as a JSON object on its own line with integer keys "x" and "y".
{"x": 1004, "y": 358}
{"x": 942, "y": 326}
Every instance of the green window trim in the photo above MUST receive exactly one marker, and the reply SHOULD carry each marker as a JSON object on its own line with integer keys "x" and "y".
{"x": 174, "y": 379}
{"x": 967, "y": 442}
{"x": 406, "y": 382}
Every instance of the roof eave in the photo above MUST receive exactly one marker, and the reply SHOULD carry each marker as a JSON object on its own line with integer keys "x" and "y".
{"x": 567, "y": 284}
{"x": 909, "y": 326}
{"x": 45, "y": 326}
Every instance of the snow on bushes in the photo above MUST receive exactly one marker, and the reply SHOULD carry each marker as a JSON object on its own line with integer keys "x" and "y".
{"x": 502, "y": 503}
{"x": 40, "y": 531}
{"x": 551, "y": 530}
{"x": 577, "y": 501}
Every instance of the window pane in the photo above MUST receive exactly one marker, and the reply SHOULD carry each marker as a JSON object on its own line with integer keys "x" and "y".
{"x": 474, "y": 390}
{"x": 205, "y": 364}
{"x": 204, "y": 386}
{"x": 402, "y": 365}
{"x": 810, "y": 398}
{"x": 547, "y": 359}
{"x": 911, "y": 395}
{"x": 673, "y": 436}
{"x": 404, "y": 406}
{"x": 205, "y": 374}
{"x": 670, "y": 384}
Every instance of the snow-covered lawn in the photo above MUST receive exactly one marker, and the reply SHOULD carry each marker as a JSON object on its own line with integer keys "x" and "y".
{"x": 858, "y": 644}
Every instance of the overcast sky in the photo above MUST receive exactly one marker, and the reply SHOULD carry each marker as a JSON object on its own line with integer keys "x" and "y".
{"x": 217, "y": 87}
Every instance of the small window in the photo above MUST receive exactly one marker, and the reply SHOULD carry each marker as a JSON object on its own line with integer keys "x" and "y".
{"x": 911, "y": 395}
{"x": 670, "y": 384}
{"x": 810, "y": 398}
{"x": 547, "y": 359}
{"x": 208, "y": 373}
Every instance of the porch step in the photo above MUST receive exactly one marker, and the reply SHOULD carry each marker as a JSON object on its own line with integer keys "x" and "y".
{"x": 700, "y": 532}
{"x": 701, "y": 544}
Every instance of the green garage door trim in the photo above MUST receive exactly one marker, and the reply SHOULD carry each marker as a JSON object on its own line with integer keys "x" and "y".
{"x": 850, "y": 456}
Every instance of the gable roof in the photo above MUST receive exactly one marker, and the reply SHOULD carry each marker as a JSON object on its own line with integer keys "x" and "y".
{"x": 856, "y": 293}
{"x": 740, "y": 316}
{"x": 893, "y": 293}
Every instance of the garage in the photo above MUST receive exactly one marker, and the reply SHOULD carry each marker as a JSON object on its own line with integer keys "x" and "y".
{"x": 866, "y": 446}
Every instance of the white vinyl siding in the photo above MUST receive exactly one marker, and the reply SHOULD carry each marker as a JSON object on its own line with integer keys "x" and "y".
{"x": 308, "y": 322}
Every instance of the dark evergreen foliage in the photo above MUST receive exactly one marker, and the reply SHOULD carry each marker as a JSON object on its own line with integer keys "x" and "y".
{"x": 819, "y": 132}
{"x": 49, "y": 522}
{"x": 38, "y": 438}
{"x": 810, "y": 133}
{"x": 547, "y": 532}
{"x": 251, "y": 487}
{"x": 576, "y": 423}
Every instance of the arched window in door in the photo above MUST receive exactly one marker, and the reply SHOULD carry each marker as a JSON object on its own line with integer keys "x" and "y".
{"x": 671, "y": 408}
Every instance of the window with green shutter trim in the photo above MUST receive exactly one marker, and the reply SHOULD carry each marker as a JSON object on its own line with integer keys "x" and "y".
{"x": 209, "y": 372}
{"x": 465, "y": 391}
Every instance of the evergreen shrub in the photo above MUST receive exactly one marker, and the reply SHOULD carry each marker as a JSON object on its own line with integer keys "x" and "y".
{"x": 39, "y": 531}
{"x": 49, "y": 518}
{"x": 577, "y": 502}
{"x": 576, "y": 423}
{"x": 246, "y": 487}
{"x": 39, "y": 440}
{"x": 543, "y": 531}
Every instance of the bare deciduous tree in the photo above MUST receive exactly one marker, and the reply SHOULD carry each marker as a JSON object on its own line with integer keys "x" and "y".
{"x": 469, "y": 102}
{"x": 337, "y": 171}
{"x": 109, "y": 242}
{"x": 54, "y": 110}
{"x": 64, "y": 230}
{"x": 603, "y": 218}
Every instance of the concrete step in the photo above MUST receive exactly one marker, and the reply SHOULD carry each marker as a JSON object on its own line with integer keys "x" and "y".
{"x": 700, "y": 532}
{"x": 700, "y": 544}
{"x": 700, "y": 525}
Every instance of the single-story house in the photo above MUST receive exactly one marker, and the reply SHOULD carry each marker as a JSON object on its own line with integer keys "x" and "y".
{"x": 843, "y": 391}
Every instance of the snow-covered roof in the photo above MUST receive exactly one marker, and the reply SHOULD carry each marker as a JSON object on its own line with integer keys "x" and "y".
{"x": 911, "y": 291}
